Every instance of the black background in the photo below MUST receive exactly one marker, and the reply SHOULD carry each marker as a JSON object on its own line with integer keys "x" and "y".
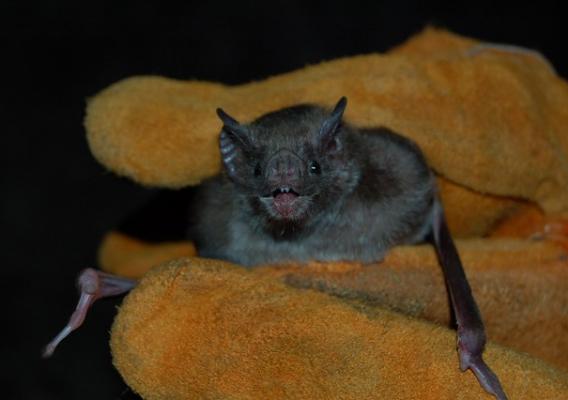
{"x": 57, "y": 202}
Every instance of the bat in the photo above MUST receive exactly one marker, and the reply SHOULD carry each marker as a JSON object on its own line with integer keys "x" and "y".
{"x": 302, "y": 184}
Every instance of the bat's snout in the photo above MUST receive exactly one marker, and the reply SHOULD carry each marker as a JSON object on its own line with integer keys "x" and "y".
{"x": 285, "y": 169}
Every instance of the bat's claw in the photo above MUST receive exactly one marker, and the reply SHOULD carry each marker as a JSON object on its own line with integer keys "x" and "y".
{"x": 470, "y": 348}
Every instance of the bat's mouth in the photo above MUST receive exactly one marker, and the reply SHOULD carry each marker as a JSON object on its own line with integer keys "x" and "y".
{"x": 284, "y": 191}
{"x": 284, "y": 201}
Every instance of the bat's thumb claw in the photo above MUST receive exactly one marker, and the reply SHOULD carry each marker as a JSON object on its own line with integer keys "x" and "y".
{"x": 486, "y": 377}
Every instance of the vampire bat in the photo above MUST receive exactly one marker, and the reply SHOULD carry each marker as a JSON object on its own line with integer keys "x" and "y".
{"x": 302, "y": 184}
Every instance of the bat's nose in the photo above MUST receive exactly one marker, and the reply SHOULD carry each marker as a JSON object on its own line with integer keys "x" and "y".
{"x": 285, "y": 168}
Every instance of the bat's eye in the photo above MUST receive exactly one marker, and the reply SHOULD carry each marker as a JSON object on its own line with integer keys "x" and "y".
{"x": 315, "y": 168}
{"x": 257, "y": 170}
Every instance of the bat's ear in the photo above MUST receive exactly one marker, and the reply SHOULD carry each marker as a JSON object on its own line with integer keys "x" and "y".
{"x": 233, "y": 141}
{"x": 234, "y": 128}
{"x": 330, "y": 127}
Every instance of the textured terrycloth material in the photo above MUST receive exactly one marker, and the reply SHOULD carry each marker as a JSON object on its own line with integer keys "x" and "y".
{"x": 122, "y": 255}
{"x": 474, "y": 111}
{"x": 491, "y": 122}
{"x": 198, "y": 329}
{"x": 521, "y": 286}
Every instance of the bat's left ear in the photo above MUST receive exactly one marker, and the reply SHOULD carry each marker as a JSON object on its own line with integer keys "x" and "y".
{"x": 329, "y": 128}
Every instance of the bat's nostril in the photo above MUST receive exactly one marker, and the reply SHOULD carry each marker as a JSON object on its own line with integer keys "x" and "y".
{"x": 284, "y": 166}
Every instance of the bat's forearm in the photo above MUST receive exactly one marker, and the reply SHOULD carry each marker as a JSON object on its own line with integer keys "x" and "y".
{"x": 471, "y": 332}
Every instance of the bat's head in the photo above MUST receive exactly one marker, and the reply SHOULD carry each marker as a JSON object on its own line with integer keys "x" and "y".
{"x": 292, "y": 165}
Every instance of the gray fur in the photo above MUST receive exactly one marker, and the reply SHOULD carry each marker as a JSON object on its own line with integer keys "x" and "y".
{"x": 374, "y": 191}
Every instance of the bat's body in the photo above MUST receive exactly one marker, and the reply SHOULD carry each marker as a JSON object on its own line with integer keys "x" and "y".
{"x": 299, "y": 184}
{"x": 377, "y": 193}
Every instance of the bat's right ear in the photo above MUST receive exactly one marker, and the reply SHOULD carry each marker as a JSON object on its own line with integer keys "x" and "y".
{"x": 233, "y": 127}
{"x": 233, "y": 142}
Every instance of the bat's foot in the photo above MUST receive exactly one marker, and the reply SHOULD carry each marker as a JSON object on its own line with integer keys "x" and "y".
{"x": 93, "y": 285}
{"x": 470, "y": 348}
